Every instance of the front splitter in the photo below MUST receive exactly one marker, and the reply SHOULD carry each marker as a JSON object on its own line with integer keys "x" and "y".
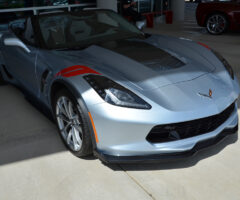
{"x": 153, "y": 158}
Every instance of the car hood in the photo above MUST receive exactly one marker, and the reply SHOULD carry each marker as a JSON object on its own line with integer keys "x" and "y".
{"x": 209, "y": 92}
{"x": 148, "y": 64}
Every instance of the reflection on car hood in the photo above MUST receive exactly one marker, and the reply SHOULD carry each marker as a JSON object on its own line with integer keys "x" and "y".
{"x": 144, "y": 63}
{"x": 150, "y": 56}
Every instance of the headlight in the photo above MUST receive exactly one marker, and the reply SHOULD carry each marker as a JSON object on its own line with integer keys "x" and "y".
{"x": 115, "y": 94}
{"x": 225, "y": 63}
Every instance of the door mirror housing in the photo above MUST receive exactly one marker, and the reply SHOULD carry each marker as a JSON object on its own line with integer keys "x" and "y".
{"x": 17, "y": 43}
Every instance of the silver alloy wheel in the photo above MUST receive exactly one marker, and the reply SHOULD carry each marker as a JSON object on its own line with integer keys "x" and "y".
{"x": 216, "y": 24}
{"x": 69, "y": 123}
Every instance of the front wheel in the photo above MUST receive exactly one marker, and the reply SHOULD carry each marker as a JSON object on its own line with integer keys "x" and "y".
{"x": 217, "y": 24}
{"x": 72, "y": 124}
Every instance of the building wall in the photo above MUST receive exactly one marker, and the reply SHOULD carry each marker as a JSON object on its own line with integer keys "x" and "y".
{"x": 29, "y": 3}
{"x": 177, "y": 6}
{"x": 13, "y": 9}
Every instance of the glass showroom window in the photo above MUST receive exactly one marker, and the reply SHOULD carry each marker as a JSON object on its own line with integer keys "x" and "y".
{"x": 60, "y": 2}
{"x": 4, "y": 4}
{"x": 145, "y": 6}
{"x": 11, "y": 4}
{"x": 50, "y": 2}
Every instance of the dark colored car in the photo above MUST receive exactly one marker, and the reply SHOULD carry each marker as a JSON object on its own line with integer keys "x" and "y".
{"x": 219, "y": 16}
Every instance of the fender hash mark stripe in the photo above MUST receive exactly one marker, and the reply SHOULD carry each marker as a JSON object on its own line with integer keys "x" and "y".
{"x": 76, "y": 71}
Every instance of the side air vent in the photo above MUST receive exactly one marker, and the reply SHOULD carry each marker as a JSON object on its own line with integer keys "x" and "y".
{"x": 44, "y": 79}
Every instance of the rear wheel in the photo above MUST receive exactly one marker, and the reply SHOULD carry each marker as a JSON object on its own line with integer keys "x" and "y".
{"x": 217, "y": 24}
{"x": 72, "y": 124}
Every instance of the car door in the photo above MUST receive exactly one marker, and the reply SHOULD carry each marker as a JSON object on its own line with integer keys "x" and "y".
{"x": 20, "y": 63}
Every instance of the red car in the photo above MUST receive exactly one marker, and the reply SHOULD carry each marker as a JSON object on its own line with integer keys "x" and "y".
{"x": 219, "y": 16}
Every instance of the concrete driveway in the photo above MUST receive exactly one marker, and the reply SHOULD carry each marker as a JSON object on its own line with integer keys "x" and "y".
{"x": 34, "y": 164}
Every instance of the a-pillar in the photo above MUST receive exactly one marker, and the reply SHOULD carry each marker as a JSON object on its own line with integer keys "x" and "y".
{"x": 107, "y": 4}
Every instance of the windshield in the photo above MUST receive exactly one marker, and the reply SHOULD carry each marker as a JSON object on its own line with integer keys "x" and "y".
{"x": 81, "y": 29}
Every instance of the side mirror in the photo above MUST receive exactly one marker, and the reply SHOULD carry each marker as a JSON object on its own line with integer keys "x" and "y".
{"x": 16, "y": 42}
{"x": 140, "y": 24}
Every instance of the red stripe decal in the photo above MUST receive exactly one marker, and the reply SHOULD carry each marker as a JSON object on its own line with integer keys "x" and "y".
{"x": 204, "y": 45}
{"x": 76, "y": 70}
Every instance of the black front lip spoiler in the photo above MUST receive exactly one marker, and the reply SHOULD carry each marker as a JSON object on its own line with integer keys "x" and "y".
{"x": 166, "y": 157}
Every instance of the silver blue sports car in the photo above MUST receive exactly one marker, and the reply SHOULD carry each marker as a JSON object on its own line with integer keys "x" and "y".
{"x": 116, "y": 92}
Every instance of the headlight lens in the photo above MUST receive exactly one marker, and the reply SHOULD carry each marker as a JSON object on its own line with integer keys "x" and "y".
{"x": 115, "y": 94}
{"x": 225, "y": 63}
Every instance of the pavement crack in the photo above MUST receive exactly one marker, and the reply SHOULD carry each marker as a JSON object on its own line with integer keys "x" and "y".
{"x": 134, "y": 180}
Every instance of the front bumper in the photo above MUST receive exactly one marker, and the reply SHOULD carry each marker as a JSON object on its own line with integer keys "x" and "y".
{"x": 124, "y": 135}
{"x": 127, "y": 145}
{"x": 167, "y": 156}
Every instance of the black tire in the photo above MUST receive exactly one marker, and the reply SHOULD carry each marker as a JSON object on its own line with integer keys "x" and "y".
{"x": 86, "y": 147}
{"x": 217, "y": 24}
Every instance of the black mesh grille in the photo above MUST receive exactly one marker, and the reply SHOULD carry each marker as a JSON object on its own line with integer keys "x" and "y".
{"x": 177, "y": 131}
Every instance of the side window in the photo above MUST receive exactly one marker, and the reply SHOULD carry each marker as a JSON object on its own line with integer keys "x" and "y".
{"x": 18, "y": 26}
{"x": 28, "y": 34}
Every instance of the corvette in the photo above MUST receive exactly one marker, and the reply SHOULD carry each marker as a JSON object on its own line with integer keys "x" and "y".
{"x": 116, "y": 92}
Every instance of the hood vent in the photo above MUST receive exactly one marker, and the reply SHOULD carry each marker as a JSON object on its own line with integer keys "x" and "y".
{"x": 167, "y": 63}
{"x": 147, "y": 54}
